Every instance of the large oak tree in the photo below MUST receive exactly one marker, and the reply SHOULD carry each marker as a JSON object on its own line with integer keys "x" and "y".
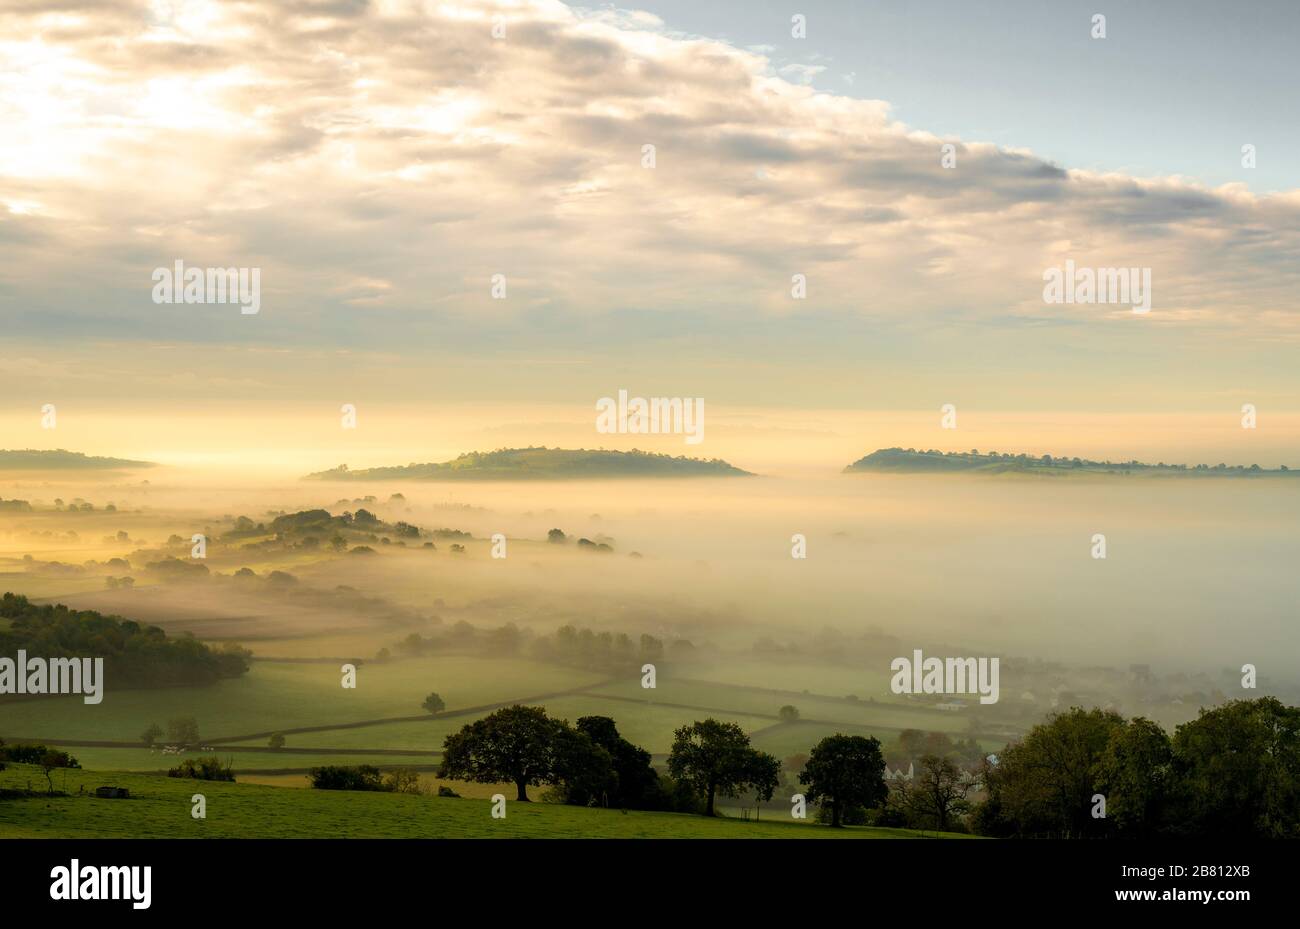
{"x": 845, "y": 772}
{"x": 716, "y": 757}
{"x": 515, "y": 744}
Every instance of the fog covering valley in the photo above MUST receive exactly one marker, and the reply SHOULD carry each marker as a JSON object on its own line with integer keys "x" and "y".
{"x": 954, "y": 565}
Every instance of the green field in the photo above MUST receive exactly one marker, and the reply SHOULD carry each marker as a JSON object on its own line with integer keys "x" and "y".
{"x": 799, "y": 677}
{"x": 38, "y": 586}
{"x": 646, "y": 725}
{"x": 283, "y": 696}
{"x": 275, "y": 696}
{"x": 415, "y": 735}
{"x": 649, "y": 726}
{"x": 159, "y": 807}
{"x": 892, "y": 716}
{"x": 143, "y": 760}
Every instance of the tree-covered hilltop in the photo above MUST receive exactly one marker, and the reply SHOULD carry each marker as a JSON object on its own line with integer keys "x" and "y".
{"x": 135, "y": 655}
{"x": 33, "y": 459}
{"x": 933, "y": 460}
{"x": 542, "y": 464}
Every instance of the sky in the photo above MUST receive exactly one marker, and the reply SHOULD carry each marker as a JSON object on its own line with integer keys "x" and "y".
{"x": 382, "y": 163}
{"x": 1176, "y": 88}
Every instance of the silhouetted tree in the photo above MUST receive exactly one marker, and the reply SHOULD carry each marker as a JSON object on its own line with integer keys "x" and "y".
{"x": 514, "y": 744}
{"x": 844, "y": 772}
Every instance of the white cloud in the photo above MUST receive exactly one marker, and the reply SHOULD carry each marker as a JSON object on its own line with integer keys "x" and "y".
{"x": 333, "y": 143}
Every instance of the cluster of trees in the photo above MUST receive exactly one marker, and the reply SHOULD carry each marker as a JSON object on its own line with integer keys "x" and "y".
{"x": 557, "y": 537}
{"x": 592, "y": 764}
{"x": 181, "y": 731}
{"x": 463, "y": 638}
{"x": 914, "y": 744}
{"x": 603, "y": 652}
{"x": 135, "y": 655}
{"x": 311, "y": 528}
{"x": 1234, "y": 772}
{"x": 177, "y": 569}
{"x": 47, "y": 759}
{"x": 364, "y": 777}
{"x": 203, "y": 769}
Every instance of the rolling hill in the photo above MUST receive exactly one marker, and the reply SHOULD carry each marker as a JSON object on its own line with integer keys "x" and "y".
{"x": 541, "y": 464}
{"x": 917, "y": 461}
{"x": 33, "y": 459}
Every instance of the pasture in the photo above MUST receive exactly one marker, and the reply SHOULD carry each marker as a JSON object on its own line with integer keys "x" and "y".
{"x": 277, "y": 696}
{"x": 159, "y": 807}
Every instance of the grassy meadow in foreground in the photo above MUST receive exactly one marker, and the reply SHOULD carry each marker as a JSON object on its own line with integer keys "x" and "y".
{"x": 159, "y": 807}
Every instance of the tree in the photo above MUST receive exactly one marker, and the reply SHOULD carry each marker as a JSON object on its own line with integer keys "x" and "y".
{"x": 402, "y": 781}
{"x": 556, "y": 537}
{"x": 788, "y": 713}
{"x": 151, "y": 734}
{"x": 637, "y": 785}
{"x": 583, "y": 770}
{"x": 1044, "y": 784}
{"x": 764, "y": 775}
{"x": 514, "y": 744}
{"x": 715, "y": 757}
{"x": 433, "y": 704}
{"x": 203, "y": 769}
{"x": 1238, "y": 771}
{"x": 276, "y": 740}
{"x": 183, "y": 730}
{"x": 939, "y": 791}
{"x": 51, "y": 759}
{"x": 794, "y": 763}
{"x": 335, "y": 777}
{"x": 1135, "y": 773}
{"x": 845, "y": 772}
{"x": 912, "y": 742}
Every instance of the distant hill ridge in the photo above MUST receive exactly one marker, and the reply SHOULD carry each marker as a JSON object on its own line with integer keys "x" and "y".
{"x": 935, "y": 461}
{"x": 541, "y": 463}
{"x": 33, "y": 459}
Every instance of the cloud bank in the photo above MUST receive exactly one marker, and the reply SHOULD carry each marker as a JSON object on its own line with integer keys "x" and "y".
{"x": 381, "y": 161}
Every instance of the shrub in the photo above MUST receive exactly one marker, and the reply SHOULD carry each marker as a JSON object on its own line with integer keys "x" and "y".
{"x": 203, "y": 769}
{"x": 339, "y": 777}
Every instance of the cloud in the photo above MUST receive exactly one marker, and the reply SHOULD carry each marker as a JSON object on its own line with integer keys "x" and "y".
{"x": 383, "y": 160}
{"x": 802, "y": 73}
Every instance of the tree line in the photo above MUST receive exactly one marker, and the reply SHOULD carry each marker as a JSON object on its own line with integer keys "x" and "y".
{"x": 1234, "y": 772}
{"x": 135, "y": 655}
